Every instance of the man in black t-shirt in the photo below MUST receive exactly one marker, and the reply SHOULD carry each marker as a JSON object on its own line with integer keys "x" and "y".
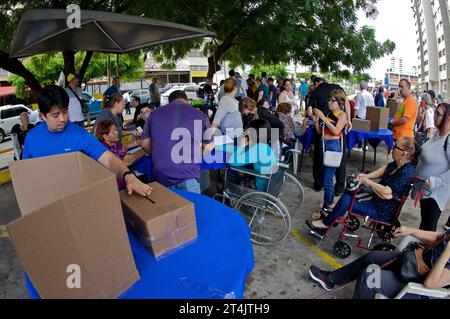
{"x": 319, "y": 100}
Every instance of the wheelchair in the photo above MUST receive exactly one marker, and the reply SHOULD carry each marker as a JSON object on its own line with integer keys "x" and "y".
{"x": 352, "y": 221}
{"x": 268, "y": 214}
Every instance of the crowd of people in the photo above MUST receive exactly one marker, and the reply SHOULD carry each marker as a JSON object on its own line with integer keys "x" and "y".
{"x": 261, "y": 120}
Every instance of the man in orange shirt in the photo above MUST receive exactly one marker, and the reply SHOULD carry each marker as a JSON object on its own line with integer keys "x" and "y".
{"x": 404, "y": 120}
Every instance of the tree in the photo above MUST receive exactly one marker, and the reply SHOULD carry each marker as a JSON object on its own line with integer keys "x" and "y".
{"x": 277, "y": 71}
{"x": 10, "y": 13}
{"x": 322, "y": 34}
{"x": 47, "y": 67}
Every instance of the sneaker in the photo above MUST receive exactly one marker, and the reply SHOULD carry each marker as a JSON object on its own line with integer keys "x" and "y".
{"x": 357, "y": 149}
{"x": 447, "y": 226}
{"x": 320, "y": 276}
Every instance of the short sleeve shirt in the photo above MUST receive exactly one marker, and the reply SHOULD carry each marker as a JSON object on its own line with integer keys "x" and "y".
{"x": 407, "y": 109}
{"x": 41, "y": 142}
{"x": 176, "y": 131}
{"x": 398, "y": 183}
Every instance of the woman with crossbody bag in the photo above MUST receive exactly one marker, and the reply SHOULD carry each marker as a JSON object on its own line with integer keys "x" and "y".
{"x": 332, "y": 131}
{"x": 433, "y": 267}
{"x": 434, "y": 167}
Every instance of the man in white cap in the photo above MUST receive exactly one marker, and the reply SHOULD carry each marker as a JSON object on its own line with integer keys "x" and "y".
{"x": 75, "y": 99}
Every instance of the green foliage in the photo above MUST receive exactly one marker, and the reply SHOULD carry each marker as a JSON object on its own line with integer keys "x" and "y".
{"x": 321, "y": 34}
{"x": 47, "y": 67}
{"x": 304, "y": 75}
{"x": 275, "y": 71}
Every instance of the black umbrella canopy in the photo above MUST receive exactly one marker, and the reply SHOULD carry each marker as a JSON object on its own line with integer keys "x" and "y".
{"x": 46, "y": 31}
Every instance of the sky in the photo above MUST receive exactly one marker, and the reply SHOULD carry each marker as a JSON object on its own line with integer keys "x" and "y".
{"x": 395, "y": 22}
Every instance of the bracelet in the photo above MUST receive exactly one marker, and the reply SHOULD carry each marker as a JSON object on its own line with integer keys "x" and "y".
{"x": 127, "y": 173}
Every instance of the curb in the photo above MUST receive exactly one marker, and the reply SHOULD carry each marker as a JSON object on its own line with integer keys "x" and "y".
{"x": 5, "y": 177}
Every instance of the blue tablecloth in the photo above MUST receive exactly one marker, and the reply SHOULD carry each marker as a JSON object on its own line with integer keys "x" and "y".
{"x": 214, "y": 161}
{"x": 145, "y": 166}
{"x": 374, "y": 138}
{"x": 215, "y": 266}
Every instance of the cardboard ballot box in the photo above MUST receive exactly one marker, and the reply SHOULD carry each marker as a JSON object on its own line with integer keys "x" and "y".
{"x": 71, "y": 238}
{"x": 163, "y": 221}
{"x": 378, "y": 117}
{"x": 393, "y": 108}
{"x": 361, "y": 125}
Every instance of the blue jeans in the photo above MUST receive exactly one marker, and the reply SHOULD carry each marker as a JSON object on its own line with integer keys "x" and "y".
{"x": 343, "y": 205}
{"x": 328, "y": 174}
{"x": 191, "y": 185}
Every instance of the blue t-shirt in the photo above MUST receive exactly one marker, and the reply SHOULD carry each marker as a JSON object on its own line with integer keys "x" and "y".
{"x": 111, "y": 90}
{"x": 262, "y": 158}
{"x": 41, "y": 142}
{"x": 304, "y": 89}
{"x": 265, "y": 90}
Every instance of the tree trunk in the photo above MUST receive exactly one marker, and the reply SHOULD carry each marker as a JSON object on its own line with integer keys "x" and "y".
{"x": 69, "y": 62}
{"x": 213, "y": 60}
{"x": 16, "y": 67}
{"x": 84, "y": 66}
{"x": 213, "y": 65}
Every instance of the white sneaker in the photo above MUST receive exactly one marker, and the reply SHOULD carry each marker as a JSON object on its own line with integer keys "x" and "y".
{"x": 357, "y": 149}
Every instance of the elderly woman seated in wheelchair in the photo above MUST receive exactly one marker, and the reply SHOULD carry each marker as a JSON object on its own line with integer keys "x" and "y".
{"x": 386, "y": 274}
{"x": 395, "y": 179}
{"x": 265, "y": 205}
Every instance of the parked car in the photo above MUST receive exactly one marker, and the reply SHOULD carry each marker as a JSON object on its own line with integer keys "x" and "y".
{"x": 10, "y": 116}
{"x": 190, "y": 90}
{"x": 168, "y": 86}
{"x": 143, "y": 94}
{"x": 95, "y": 105}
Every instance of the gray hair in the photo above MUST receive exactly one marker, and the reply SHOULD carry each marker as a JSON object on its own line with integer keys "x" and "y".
{"x": 364, "y": 85}
{"x": 428, "y": 99}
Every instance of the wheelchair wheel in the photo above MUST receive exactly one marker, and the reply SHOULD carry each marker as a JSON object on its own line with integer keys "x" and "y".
{"x": 385, "y": 247}
{"x": 268, "y": 219}
{"x": 353, "y": 223}
{"x": 292, "y": 194}
{"x": 341, "y": 249}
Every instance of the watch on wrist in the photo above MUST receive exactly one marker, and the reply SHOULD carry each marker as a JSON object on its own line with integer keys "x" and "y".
{"x": 127, "y": 173}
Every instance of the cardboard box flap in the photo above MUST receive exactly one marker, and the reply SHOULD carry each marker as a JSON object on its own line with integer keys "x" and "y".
{"x": 96, "y": 213}
{"x": 56, "y": 176}
{"x": 37, "y": 238}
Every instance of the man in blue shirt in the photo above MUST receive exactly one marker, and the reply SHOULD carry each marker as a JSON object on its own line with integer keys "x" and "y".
{"x": 114, "y": 88}
{"x": 56, "y": 135}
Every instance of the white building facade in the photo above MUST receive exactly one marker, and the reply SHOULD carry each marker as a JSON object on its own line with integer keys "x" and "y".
{"x": 433, "y": 44}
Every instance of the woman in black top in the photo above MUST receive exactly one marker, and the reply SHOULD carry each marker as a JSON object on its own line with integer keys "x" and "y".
{"x": 436, "y": 256}
{"x": 20, "y": 133}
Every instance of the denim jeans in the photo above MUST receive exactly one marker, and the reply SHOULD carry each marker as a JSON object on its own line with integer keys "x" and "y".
{"x": 343, "y": 205}
{"x": 328, "y": 174}
{"x": 191, "y": 185}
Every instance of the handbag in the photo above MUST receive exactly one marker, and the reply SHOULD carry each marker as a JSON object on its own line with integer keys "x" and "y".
{"x": 330, "y": 158}
{"x": 412, "y": 267}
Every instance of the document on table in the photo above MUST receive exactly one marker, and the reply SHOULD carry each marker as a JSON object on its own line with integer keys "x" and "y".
{"x": 134, "y": 150}
{"x": 222, "y": 140}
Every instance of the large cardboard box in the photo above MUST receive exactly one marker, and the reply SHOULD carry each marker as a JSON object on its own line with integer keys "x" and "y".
{"x": 393, "y": 108}
{"x": 71, "y": 238}
{"x": 378, "y": 117}
{"x": 163, "y": 221}
{"x": 361, "y": 125}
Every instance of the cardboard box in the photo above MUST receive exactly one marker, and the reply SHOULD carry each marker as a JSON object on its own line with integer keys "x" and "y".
{"x": 378, "y": 117}
{"x": 361, "y": 125}
{"x": 163, "y": 221}
{"x": 393, "y": 108}
{"x": 72, "y": 239}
